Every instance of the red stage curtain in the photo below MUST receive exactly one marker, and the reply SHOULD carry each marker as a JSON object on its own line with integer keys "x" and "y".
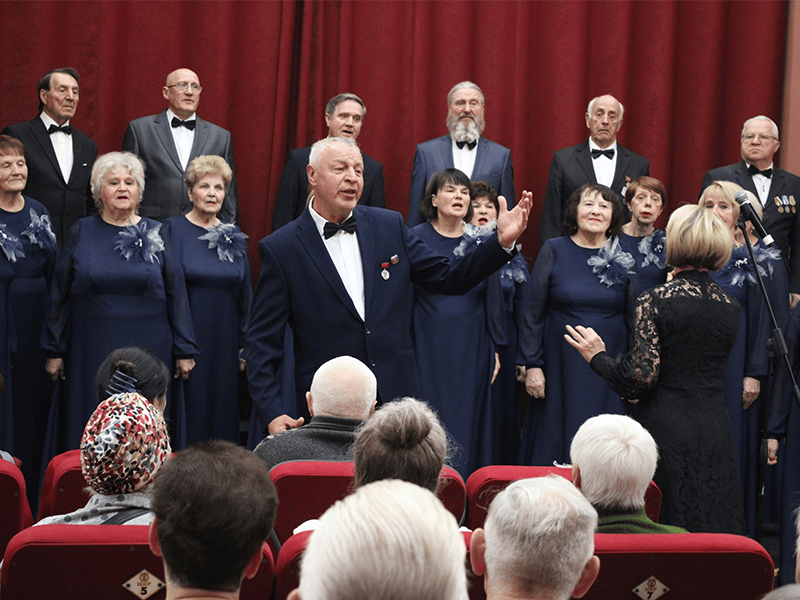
{"x": 689, "y": 74}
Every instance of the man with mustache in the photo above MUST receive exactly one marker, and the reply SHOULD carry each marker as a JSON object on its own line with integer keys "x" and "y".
{"x": 463, "y": 148}
{"x": 344, "y": 115}
{"x": 598, "y": 160}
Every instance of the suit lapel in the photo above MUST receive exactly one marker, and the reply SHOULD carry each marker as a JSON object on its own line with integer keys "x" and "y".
{"x": 446, "y": 148}
{"x": 200, "y": 139}
{"x": 744, "y": 179}
{"x": 366, "y": 245}
{"x": 776, "y": 185}
{"x": 480, "y": 156}
{"x": 623, "y": 159}
{"x": 164, "y": 134}
{"x": 585, "y": 161}
{"x": 41, "y": 135}
{"x": 310, "y": 239}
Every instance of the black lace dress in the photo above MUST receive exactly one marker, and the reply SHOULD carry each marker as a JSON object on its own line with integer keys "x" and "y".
{"x": 684, "y": 331}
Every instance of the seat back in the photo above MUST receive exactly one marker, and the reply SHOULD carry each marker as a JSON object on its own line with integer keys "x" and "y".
{"x": 63, "y": 486}
{"x": 14, "y": 507}
{"x": 453, "y": 493}
{"x": 485, "y": 483}
{"x": 287, "y": 567}
{"x": 96, "y": 561}
{"x": 689, "y": 565}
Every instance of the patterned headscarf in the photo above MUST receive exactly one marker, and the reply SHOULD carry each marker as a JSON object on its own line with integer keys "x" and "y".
{"x": 123, "y": 445}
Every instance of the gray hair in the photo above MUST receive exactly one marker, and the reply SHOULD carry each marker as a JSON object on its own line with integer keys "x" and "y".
{"x": 786, "y": 592}
{"x": 339, "y": 98}
{"x": 539, "y": 537}
{"x": 390, "y": 539}
{"x": 318, "y": 147}
{"x": 762, "y": 118}
{"x": 402, "y": 440}
{"x": 115, "y": 161}
{"x": 464, "y": 85}
{"x": 344, "y": 387}
{"x": 617, "y": 458}
{"x": 593, "y": 100}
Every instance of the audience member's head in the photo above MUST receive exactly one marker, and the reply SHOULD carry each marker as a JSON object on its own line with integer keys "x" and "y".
{"x": 391, "y": 540}
{"x": 124, "y": 445}
{"x": 343, "y": 387}
{"x": 402, "y": 440}
{"x": 134, "y": 368}
{"x": 214, "y": 506}
{"x": 613, "y": 460}
{"x": 786, "y": 592}
{"x": 538, "y": 542}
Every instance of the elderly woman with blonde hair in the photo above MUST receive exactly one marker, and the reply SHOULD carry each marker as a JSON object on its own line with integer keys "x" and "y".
{"x": 216, "y": 268}
{"x": 748, "y": 360}
{"x": 683, "y": 334}
{"x": 115, "y": 284}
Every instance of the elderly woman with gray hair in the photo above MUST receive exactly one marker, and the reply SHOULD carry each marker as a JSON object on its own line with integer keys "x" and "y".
{"x": 115, "y": 284}
{"x": 216, "y": 269}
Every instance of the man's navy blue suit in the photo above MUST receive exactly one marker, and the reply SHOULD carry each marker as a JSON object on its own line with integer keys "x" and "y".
{"x": 492, "y": 165}
{"x": 299, "y": 286}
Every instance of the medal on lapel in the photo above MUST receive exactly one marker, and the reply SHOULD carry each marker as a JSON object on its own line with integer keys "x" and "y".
{"x": 385, "y": 272}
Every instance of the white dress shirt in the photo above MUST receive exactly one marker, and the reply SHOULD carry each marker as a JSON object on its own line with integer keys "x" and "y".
{"x": 62, "y": 145}
{"x": 183, "y": 138}
{"x": 604, "y": 167}
{"x": 345, "y": 253}
{"x": 464, "y": 158}
{"x": 762, "y": 183}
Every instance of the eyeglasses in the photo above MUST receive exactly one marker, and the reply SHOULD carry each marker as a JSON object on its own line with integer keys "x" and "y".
{"x": 182, "y": 86}
{"x": 749, "y": 137}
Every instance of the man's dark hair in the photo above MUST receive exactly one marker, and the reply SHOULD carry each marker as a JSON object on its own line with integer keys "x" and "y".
{"x": 44, "y": 82}
{"x": 214, "y": 505}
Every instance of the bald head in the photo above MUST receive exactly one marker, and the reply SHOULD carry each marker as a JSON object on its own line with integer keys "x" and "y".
{"x": 343, "y": 387}
{"x": 182, "y": 91}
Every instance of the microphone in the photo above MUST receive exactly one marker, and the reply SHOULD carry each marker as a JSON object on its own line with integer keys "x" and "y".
{"x": 751, "y": 215}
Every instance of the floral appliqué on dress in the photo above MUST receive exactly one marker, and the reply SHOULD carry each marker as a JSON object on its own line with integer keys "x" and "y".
{"x": 612, "y": 264}
{"x": 654, "y": 249}
{"x": 10, "y": 244}
{"x": 228, "y": 242}
{"x": 40, "y": 232}
{"x": 740, "y": 268}
{"x": 473, "y": 236}
{"x": 140, "y": 243}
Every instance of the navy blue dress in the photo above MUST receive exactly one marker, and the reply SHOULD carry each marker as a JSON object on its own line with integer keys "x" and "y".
{"x": 455, "y": 338}
{"x": 651, "y": 256}
{"x": 29, "y": 300}
{"x": 101, "y": 301}
{"x": 7, "y": 341}
{"x": 219, "y": 287}
{"x": 747, "y": 359}
{"x": 563, "y": 289}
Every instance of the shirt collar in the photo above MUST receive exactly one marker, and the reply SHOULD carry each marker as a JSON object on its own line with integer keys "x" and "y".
{"x": 48, "y": 120}
{"x": 319, "y": 221}
{"x": 593, "y": 146}
{"x": 171, "y": 114}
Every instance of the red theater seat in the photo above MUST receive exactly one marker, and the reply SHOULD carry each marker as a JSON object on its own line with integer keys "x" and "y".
{"x": 287, "y": 567}
{"x": 63, "y": 486}
{"x": 485, "y": 483}
{"x": 14, "y": 507}
{"x": 75, "y": 562}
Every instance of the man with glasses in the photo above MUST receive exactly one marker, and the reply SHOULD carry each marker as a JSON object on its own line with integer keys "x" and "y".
{"x": 778, "y": 190}
{"x": 169, "y": 141}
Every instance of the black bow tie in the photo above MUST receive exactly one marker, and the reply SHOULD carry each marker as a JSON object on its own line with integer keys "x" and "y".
{"x": 470, "y": 145}
{"x": 190, "y": 125}
{"x": 63, "y": 129}
{"x": 597, "y": 153}
{"x": 349, "y": 226}
{"x": 753, "y": 169}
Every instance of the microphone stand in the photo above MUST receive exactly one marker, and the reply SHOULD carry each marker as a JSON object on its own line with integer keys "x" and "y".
{"x": 774, "y": 344}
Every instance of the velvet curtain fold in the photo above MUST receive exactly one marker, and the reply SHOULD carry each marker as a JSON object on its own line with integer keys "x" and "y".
{"x": 688, "y": 73}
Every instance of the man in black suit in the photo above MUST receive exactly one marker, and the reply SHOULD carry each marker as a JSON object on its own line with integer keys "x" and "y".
{"x": 169, "y": 141}
{"x": 60, "y": 157}
{"x": 344, "y": 115}
{"x": 778, "y": 190}
{"x": 598, "y": 160}
{"x": 343, "y": 275}
{"x": 463, "y": 148}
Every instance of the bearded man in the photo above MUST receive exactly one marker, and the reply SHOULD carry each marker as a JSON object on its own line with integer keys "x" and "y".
{"x": 463, "y": 148}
